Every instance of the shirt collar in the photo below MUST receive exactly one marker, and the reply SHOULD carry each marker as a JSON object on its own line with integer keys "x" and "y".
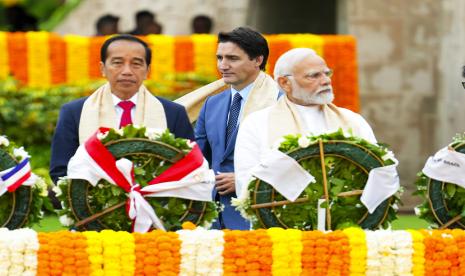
{"x": 244, "y": 92}
{"x": 117, "y": 100}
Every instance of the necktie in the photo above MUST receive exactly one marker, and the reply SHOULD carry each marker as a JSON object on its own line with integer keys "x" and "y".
{"x": 126, "y": 117}
{"x": 233, "y": 116}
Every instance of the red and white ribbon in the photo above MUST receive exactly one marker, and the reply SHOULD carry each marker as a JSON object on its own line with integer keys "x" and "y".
{"x": 189, "y": 178}
{"x": 12, "y": 178}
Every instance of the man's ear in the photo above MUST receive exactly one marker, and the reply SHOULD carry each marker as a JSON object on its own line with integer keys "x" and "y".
{"x": 148, "y": 71}
{"x": 102, "y": 69}
{"x": 259, "y": 60}
{"x": 285, "y": 84}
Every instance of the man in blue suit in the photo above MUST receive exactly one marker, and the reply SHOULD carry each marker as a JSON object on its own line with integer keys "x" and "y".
{"x": 241, "y": 57}
{"x": 125, "y": 63}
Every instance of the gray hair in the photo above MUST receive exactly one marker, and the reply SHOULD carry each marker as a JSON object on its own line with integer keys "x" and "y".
{"x": 286, "y": 62}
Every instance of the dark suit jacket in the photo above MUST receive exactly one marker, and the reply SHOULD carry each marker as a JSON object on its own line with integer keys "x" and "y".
{"x": 66, "y": 138}
{"x": 210, "y": 134}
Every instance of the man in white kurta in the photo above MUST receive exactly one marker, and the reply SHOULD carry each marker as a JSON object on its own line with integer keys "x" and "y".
{"x": 306, "y": 109}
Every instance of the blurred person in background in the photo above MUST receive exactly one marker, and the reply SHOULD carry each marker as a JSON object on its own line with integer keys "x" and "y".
{"x": 202, "y": 24}
{"x": 19, "y": 20}
{"x": 146, "y": 23}
{"x": 107, "y": 25}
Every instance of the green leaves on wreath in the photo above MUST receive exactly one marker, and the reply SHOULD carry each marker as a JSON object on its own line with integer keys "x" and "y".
{"x": 343, "y": 175}
{"x": 152, "y": 152}
{"x": 450, "y": 202}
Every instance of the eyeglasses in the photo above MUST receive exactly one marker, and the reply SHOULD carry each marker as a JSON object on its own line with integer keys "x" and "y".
{"x": 316, "y": 75}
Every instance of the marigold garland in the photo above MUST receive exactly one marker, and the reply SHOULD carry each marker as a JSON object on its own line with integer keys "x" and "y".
{"x": 75, "y": 58}
{"x": 95, "y": 43}
{"x": 157, "y": 252}
{"x": 441, "y": 253}
{"x": 184, "y": 54}
{"x": 278, "y": 46}
{"x": 418, "y": 257}
{"x": 459, "y": 237}
{"x": 339, "y": 260}
{"x": 118, "y": 252}
{"x": 286, "y": 251}
{"x": 256, "y": 260}
{"x": 63, "y": 253}
{"x": 77, "y": 67}
{"x": 4, "y": 68}
{"x": 205, "y": 54}
{"x": 17, "y": 48}
{"x": 311, "y": 41}
{"x": 95, "y": 252}
{"x": 325, "y": 253}
{"x": 338, "y": 48}
{"x": 38, "y": 59}
{"x": 358, "y": 250}
{"x": 162, "y": 56}
{"x": 57, "y": 60}
{"x": 260, "y": 252}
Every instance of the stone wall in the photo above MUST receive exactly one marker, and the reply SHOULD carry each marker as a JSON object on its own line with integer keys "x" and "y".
{"x": 175, "y": 16}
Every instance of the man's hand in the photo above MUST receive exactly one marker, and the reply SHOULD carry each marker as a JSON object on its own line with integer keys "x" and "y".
{"x": 225, "y": 183}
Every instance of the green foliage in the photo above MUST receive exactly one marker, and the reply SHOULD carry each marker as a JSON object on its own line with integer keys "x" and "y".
{"x": 6, "y": 203}
{"x": 10, "y": 155}
{"x": 343, "y": 175}
{"x": 453, "y": 195}
{"x": 49, "y": 13}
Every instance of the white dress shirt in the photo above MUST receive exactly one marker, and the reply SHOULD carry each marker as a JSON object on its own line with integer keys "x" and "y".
{"x": 252, "y": 139}
{"x": 244, "y": 94}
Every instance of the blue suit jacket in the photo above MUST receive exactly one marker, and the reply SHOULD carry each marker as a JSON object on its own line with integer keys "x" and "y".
{"x": 66, "y": 138}
{"x": 210, "y": 134}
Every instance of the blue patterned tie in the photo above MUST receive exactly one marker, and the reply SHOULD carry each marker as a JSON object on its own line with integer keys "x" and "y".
{"x": 233, "y": 116}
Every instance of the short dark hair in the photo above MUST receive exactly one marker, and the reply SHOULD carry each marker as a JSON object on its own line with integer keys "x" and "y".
{"x": 202, "y": 24}
{"x": 106, "y": 44}
{"x": 105, "y": 19}
{"x": 250, "y": 41}
{"x": 145, "y": 13}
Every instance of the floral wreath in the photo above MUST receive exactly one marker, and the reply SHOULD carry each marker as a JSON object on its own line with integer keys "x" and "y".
{"x": 443, "y": 202}
{"x": 22, "y": 193}
{"x": 348, "y": 161}
{"x": 139, "y": 176}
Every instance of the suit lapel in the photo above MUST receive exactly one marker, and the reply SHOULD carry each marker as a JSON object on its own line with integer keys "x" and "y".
{"x": 222, "y": 119}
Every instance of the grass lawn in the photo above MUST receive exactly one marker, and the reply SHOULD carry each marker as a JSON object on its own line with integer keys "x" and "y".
{"x": 50, "y": 223}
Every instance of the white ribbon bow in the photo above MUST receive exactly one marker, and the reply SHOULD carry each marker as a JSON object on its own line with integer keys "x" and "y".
{"x": 447, "y": 166}
{"x": 382, "y": 183}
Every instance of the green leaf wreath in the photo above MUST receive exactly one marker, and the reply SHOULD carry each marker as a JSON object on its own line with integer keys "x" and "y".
{"x": 343, "y": 176}
{"x": 443, "y": 203}
{"x": 171, "y": 211}
{"x": 22, "y": 207}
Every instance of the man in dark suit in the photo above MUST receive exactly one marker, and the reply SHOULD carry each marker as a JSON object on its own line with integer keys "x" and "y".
{"x": 241, "y": 55}
{"x": 125, "y": 63}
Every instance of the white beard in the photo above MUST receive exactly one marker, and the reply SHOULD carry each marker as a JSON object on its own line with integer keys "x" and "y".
{"x": 318, "y": 97}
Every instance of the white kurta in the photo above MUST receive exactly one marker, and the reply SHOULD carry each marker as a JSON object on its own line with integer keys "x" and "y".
{"x": 252, "y": 139}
